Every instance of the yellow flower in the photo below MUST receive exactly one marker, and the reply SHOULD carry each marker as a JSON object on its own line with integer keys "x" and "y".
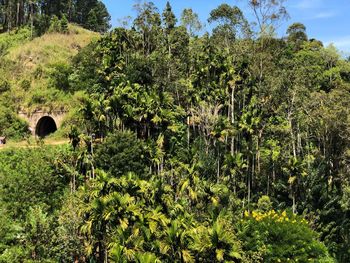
{"x": 246, "y": 213}
{"x": 284, "y": 214}
{"x": 254, "y": 214}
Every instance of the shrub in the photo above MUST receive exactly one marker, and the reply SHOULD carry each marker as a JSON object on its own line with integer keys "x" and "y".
{"x": 64, "y": 25}
{"x": 121, "y": 153}
{"x": 55, "y": 25}
{"x": 25, "y": 84}
{"x": 59, "y": 75}
{"x": 11, "y": 125}
{"x": 4, "y": 85}
{"x": 279, "y": 237}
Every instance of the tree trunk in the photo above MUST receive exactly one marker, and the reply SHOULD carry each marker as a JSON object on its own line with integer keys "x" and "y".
{"x": 233, "y": 118}
{"x": 17, "y": 15}
{"x": 188, "y": 131}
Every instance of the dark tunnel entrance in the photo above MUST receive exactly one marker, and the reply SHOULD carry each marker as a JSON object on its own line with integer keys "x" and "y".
{"x": 45, "y": 126}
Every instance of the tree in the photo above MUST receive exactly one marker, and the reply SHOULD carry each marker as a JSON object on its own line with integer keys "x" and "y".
{"x": 296, "y": 34}
{"x": 169, "y": 18}
{"x": 55, "y": 25}
{"x": 98, "y": 18}
{"x": 64, "y": 25}
{"x": 231, "y": 20}
{"x": 148, "y": 22}
{"x": 268, "y": 13}
{"x": 122, "y": 153}
{"x": 38, "y": 13}
{"x": 190, "y": 20}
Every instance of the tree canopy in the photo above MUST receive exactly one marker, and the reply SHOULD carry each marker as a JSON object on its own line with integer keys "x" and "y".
{"x": 91, "y": 14}
{"x": 227, "y": 146}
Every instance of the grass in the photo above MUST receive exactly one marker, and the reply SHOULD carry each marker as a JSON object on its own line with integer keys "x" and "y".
{"x": 51, "y": 48}
{"x": 33, "y": 143}
{"x": 31, "y": 61}
{"x": 27, "y": 66}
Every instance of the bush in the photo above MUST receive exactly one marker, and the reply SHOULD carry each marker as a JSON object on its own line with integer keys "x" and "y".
{"x": 28, "y": 179}
{"x": 278, "y": 237}
{"x": 121, "y": 153}
{"x": 15, "y": 38}
{"x": 64, "y": 25}
{"x": 4, "y": 85}
{"x": 55, "y": 25}
{"x": 59, "y": 76}
{"x": 25, "y": 84}
{"x": 11, "y": 125}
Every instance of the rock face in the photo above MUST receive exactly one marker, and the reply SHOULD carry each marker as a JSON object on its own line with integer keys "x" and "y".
{"x": 42, "y": 123}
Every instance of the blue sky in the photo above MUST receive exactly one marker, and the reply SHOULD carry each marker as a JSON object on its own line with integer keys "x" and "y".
{"x": 326, "y": 20}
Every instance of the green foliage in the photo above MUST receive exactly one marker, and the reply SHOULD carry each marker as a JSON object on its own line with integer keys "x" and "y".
{"x": 64, "y": 25}
{"x": 98, "y": 18}
{"x": 190, "y": 20}
{"x": 59, "y": 25}
{"x": 235, "y": 110}
{"x": 24, "y": 177}
{"x": 297, "y": 33}
{"x": 59, "y": 77}
{"x": 55, "y": 25}
{"x": 68, "y": 237}
{"x": 278, "y": 237}
{"x": 231, "y": 22}
{"x": 13, "y": 254}
{"x": 11, "y": 126}
{"x": 92, "y": 15}
{"x": 44, "y": 15}
{"x": 4, "y": 85}
{"x": 14, "y": 38}
{"x": 140, "y": 228}
{"x": 121, "y": 153}
{"x": 264, "y": 203}
{"x": 169, "y": 18}
{"x": 30, "y": 193}
{"x": 37, "y": 233}
{"x": 221, "y": 123}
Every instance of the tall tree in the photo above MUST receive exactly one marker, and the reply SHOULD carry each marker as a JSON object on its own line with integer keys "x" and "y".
{"x": 169, "y": 18}
{"x": 190, "y": 20}
{"x": 231, "y": 22}
{"x": 268, "y": 13}
{"x": 296, "y": 34}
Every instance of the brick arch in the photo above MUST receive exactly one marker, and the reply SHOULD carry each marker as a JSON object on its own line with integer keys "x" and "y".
{"x": 38, "y": 118}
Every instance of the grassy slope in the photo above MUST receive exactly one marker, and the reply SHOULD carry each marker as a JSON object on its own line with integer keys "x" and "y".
{"x": 31, "y": 61}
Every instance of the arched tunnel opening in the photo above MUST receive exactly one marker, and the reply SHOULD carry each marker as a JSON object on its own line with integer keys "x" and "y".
{"x": 45, "y": 126}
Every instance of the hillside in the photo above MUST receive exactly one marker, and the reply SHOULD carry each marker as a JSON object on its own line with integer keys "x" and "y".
{"x": 30, "y": 66}
{"x": 229, "y": 146}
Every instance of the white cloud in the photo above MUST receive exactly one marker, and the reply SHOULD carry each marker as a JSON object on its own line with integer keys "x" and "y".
{"x": 313, "y": 9}
{"x": 308, "y": 4}
{"x": 324, "y": 15}
{"x": 342, "y": 43}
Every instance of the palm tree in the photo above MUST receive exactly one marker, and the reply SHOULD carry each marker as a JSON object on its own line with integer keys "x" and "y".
{"x": 175, "y": 241}
{"x": 216, "y": 242}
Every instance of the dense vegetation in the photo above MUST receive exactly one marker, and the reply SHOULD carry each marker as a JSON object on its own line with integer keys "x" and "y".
{"x": 91, "y": 14}
{"x": 224, "y": 147}
{"x": 33, "y": 72}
